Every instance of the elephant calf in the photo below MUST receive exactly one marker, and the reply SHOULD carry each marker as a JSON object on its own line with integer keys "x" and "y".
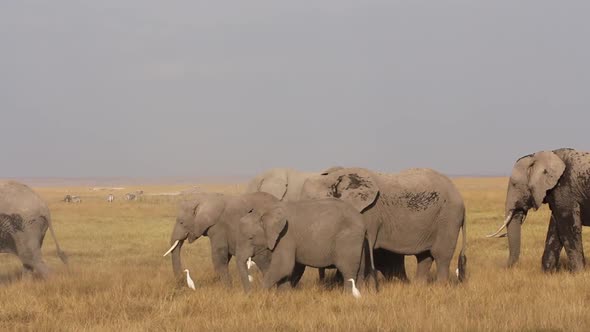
{"x": 317, "y": 233}
{"x": 24, "y": 219}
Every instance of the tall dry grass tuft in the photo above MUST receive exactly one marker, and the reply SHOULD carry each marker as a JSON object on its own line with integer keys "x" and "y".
{"x": 118, "y": 279}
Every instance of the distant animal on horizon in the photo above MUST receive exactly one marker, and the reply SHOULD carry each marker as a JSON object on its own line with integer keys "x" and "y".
{"x": 110, "y": 198}
{"x": 72, "y": 199}
{"x": 561, "y": 179}
{"x": 24, "y": 220}
{"x": 130, "y": 197}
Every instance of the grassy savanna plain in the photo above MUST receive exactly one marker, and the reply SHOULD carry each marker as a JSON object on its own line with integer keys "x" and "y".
{"x": 117, "y": 278}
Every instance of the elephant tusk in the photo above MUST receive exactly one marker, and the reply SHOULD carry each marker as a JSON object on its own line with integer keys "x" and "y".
{"x": 506, "y": 222}
{"x": 171, "y": 248}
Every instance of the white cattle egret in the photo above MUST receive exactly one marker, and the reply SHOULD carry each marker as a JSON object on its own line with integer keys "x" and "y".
{"x": 189, "y": 281}
{"x": 250, "y": 263}
{"x": 355, "y": 291}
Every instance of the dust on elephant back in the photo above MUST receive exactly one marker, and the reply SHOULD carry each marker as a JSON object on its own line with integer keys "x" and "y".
{"x": 419, "y": 201}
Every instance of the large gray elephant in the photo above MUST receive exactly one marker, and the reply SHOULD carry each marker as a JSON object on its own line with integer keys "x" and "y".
{"x": 419, "y": 212}
{"x": 287, "y": 184}
{"x": 24, "y": 220}
{"x": 318, "y": 233}
{"x": 217, "y": 217}
{"x": 560, "y": 178}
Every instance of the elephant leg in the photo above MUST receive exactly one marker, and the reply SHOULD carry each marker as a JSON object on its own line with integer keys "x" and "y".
{"x": 390, "y": 264}
{"x": 29, "y": 253}
{"x": 442, "y": 257}
{"x": 220, "y": 257}
{"x": 297, "y": 273}
{"x": 425, "y": 260}
{"x": 553, "y": 248}
{"x": 322, "y": 274}
{"x": 569, "y": 227}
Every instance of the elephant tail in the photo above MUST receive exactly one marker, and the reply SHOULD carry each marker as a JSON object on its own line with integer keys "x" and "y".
{"x": 62, "y": 255}
{"x": 462, "y": 261}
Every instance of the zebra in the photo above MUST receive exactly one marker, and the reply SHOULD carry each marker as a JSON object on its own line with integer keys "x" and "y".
{"x": 110, "y": 198}
{"x": 72, "y": 199}
{"x": 130, "y": 197}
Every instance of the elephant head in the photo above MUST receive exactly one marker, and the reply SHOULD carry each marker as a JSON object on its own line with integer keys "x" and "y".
{"x": 284, "y": 183}
{"x": 194, "y": 218}
{"x": 355, "y": 186}
{"x": 274, "y": 182}
{"x": 531, "y": 178}
{"x": 251, "y": 242}
{"x": 263, "y": 229}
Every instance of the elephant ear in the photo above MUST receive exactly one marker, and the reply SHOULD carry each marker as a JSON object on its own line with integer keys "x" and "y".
{"x": 545, "y": 172}
{"x": 273, "y": 223}
{"x": 275, "y": 183}
{"x": 206, "y": 213}
{"x": 356, "y": 187}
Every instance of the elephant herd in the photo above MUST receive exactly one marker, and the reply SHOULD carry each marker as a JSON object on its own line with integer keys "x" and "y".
{"x": 354, "y": 220}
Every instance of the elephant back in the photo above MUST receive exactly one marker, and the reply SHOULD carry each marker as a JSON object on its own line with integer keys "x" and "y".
{"x": 18, "y": 198}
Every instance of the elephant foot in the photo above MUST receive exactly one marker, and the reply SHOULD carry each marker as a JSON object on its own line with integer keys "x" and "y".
{"x": 576, "y": 267}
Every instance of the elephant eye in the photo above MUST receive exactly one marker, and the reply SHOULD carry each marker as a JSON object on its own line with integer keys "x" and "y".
{"x": 250, "y": 210}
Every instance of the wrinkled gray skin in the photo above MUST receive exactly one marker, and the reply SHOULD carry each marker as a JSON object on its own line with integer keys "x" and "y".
{"x": 560, "y": 178}
{"x": 24, "y": 219}
{"x": 287, "y": 185}
{"x": 418, "y": 211}
{"x": 317, "y": 233}
{"x": 217, "y": 217}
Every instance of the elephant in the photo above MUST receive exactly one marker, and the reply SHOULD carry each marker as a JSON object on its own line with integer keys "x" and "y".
{"x": 24, "y": 220}
{"x": 283, "y": 183}
{"x": 286, "y": 184}
{"x": 217, "y": 217}
{"x": 319, "y": 233}
{"x": 418, "y": 212}
{"x": 561, "y": 179}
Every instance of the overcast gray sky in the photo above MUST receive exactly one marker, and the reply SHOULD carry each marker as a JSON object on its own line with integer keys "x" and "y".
{"x": 213, "y": 88}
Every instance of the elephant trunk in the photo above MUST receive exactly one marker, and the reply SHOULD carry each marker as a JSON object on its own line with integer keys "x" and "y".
{"x": 244, "y": 251}
{"x": 243, "y": 272}
{"x": 179, "y": 235}
{"x": 514, "y": 227}
{"x": 176, "y": 262}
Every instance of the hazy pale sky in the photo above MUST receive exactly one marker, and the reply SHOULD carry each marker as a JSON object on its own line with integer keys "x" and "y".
{"x": 212, "y": 88}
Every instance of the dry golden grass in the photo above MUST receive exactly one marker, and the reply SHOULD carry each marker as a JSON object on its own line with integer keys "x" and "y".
{"x": 118, "y": 279}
